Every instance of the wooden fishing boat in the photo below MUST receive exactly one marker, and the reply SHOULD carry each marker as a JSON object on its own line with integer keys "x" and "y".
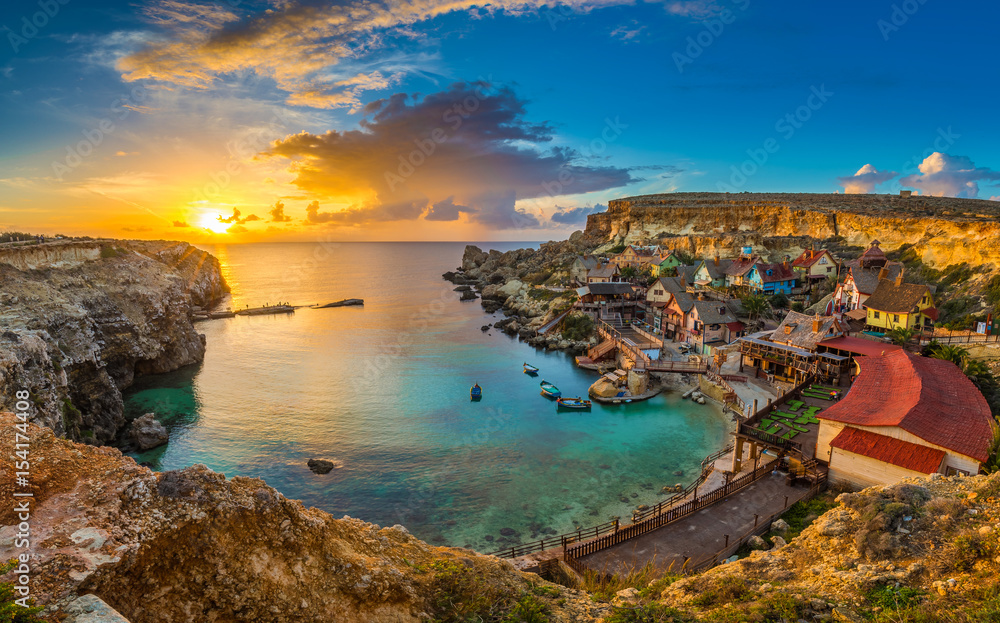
{"x": 549, "y": 390}
{"x": 573, "y": 403}
{"x": 476, "y": 393}
{"x": 530, "y": 369}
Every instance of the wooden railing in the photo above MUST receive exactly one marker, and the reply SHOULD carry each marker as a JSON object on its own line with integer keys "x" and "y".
{"x": 667, "y": 517}
{"x": 601, "y": 349}
{"x": 694, "y": 367}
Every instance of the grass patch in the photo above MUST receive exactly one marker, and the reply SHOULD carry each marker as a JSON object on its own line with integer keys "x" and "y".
{"x": 648, "y": 579}
{"x": 461, "y": 594}
{"x": 649, "y": 613}
{"x": 802, "y": 514}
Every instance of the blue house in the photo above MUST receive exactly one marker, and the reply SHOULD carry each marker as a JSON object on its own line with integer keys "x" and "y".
{"x": 771, "y": 278}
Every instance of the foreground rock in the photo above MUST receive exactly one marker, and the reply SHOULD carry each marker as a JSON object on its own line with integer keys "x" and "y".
{"x": 191, "y": 546}
{"x": 146, "y": 433}
{"x": 81, "y": 320}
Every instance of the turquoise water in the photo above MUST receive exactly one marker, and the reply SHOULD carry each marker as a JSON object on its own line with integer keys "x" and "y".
{"x": 385, "y": 390}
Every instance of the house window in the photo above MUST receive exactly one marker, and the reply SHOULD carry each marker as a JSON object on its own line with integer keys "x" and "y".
{"x": 895, "y": 317}
{"x": 829, "y": 269}
{"x": 923, "y": 299}
{"x": 953, "y": 471}
{"x": 657, "y": 292}
{"x": 876, "y": 314}
{"x": 822, "y": 260}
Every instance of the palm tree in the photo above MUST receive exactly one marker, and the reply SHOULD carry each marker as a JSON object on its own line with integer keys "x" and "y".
{"x": 901, "y": 335}
{"x": 755, "y": 305}
{"x": 948, "y": 352}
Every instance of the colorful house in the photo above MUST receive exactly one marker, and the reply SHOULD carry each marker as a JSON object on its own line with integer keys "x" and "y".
{"x": 905, "y": 416}
{"x": 712, "y": 322}
{"x": 604, "y": 273}
{"x": 813, "y": 266}
{"x": 663, "y": 288}
{"x": 771, "y": 278}
{"x": 739, "y": 269}
{"x": 897, "y": 304}
{"x": 637, "y": 257}
{"x": 860, "y": 283}
{"x": 664, "y": 264}
{"x": 710, "y": 274}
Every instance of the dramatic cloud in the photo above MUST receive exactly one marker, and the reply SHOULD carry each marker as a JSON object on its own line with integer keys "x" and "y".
{"x": 181, "y": 224}
{"x": 865, "y": 180}
{"x": 300, "y": 46}
{"x": 576, "y": 216}
{"x": 944, "y": 175}
{"x": 446, "y": 210}
{"x": 278, "y": 213}
{"x": 469, "y": 145}
{"x": 235, "y": 218}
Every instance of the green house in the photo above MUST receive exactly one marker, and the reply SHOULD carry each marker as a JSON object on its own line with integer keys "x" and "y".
{"x": 665, "y": 264}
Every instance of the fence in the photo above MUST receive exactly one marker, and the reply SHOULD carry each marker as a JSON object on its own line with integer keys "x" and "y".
{"x": 669, "y": 516}
{"x": 723, "y": 381}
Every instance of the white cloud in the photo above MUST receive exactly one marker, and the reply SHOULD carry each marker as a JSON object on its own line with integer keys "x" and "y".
{"x": 944, "y": 175}
{"x": 865, "y": 180}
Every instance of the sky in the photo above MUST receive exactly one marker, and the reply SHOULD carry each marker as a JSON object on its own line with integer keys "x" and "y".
{"x": 248, "y": 120}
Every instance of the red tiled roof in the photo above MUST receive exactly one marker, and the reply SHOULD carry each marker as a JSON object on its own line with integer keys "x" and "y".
{"x": 808, "y": 258}
{"x": 889, "y": 450}
{"x": 778, "y": 273}
{"x": 929, "y": 398}
{"x": 735, "y": 326}
{"x": 859, "y": 345}
{"x": 741, "y": 266}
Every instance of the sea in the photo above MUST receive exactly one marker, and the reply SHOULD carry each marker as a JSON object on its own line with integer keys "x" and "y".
{"x": 384, "y": 390}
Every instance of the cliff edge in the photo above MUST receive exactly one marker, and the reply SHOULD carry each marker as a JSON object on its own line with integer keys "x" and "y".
{"x": 80, "y": 319}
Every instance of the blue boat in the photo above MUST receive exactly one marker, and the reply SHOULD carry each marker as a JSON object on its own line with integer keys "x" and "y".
{"x": 530, "y": 370}
{"x": 549, "y": 390}
{"x": 476, "y": 393}
{"x": 573, "y": 403}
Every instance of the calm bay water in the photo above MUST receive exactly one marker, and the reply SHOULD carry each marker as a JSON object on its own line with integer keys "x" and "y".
{"x": 384, "y": 388}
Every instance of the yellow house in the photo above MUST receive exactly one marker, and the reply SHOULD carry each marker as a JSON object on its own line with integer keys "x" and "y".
{"x": 896, "y": 304}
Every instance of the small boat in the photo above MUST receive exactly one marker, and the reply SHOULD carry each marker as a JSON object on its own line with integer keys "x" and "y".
{"x": 573, "y": 403}
{"x": 549, "y": 390}
{"x": 476, "y": 393}
{"x": 530, "y": 370}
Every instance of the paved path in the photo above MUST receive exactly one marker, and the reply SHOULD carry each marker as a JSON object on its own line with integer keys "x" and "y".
{"x": 700, "y": 535}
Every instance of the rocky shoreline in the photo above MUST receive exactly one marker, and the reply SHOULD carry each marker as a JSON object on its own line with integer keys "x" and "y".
{"x": 80, "y": 325}
{"x": 529, "y": 286}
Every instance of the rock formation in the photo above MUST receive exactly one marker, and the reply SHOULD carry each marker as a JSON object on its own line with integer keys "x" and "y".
{"x": 943, "y": 230}
{"x": 146, "y": 433}
{"x": 79, "y": 320}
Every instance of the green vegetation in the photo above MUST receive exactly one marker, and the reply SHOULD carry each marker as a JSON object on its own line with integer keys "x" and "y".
{"x": 901, "y": 335}
{"x": 648, "y": 579}
{"x": 71, "y": 417}
{"x": 107, "y": 251}
{"x": 756, "y": 306}
{"x": 648, "y": 613}
{"x": 629, "y": 272}
{"x": 463, "y": 594}
{"x": 16, "y": 236}
{"x": 778, "y": 300}
{"x": 578, "y": 327}
{"x": 10, "y": 611}
{"x": 802, "y": 514}
{"x": 618, "y": 248}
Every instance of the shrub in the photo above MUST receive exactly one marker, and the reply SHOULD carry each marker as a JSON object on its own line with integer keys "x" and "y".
{"x": 649, "y": 613}
{"x": 889, "y": 597}
{"x": 971, "y": 546}
{"x": 578, "y": 327}
{"x": 528, "y": 610}
{"x": 10, "y": 611}
{"x": 727, "y": 589}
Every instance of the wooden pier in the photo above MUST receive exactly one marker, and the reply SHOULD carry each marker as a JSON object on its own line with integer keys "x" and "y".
{"x": 266, "y": 310}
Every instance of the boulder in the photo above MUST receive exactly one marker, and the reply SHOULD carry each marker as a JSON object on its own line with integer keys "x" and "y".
{"x": 468, "y": 295}
{"x": 779, "y": 526}
{"x": 324, "y": 466}
{"x": 147, "y": 433}
{"x": 755, "y": 542}
{"x": 778, "y": 542}
{"x": 625, "y": 598}
{"x": 512, "y": 287}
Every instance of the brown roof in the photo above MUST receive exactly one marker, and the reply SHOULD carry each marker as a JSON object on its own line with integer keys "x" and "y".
{"x": 866, "y": 279}
{"x": 605, "y": 271}
{"x": 778, "y": 273}
{"x": 741, "y": 266}
{"x": 929, "y": 398}
{"x": 797, "y": 330}
{"x": 897, "y": 299}
{"x": 907, "y": 455}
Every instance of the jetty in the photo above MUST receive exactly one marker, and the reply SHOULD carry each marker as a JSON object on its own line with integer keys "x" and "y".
{"x": 266, "y": 310}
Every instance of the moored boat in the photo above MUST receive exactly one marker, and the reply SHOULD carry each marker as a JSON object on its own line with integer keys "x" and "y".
{"x": 573, "y": 403}
{"x": 476, "y": 393}
{"x": 530, "y": 369}
{"x": 549, "y": 390}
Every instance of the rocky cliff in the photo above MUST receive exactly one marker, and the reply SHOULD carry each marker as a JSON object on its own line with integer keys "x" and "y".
{"x": 192, "y": 546}
{"x": 79, "y": 320}
{"x": 944, "y": 230}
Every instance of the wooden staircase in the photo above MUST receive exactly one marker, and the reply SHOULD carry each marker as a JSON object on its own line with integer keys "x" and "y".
{"x": 601, "y": 349}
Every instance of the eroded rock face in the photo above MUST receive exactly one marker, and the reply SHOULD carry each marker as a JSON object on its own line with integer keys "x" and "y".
{"x": 75, "y": 332}
{"x": 943, "y": 230}
{"x": 189, "y": 545}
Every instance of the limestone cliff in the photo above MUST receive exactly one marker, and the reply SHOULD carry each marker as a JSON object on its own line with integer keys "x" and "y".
{"x": 944, "y": 230}
{"x": 191, "y": 546}
{"x": 79, "y": 320}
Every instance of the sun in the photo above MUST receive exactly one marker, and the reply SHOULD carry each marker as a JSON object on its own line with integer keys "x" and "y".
{"x": 210, "y": 221}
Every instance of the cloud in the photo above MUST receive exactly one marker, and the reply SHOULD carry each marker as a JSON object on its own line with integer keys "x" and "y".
{"x": 944, "y": 175}
{"x": 697, "y": 9}
{"x": 576, "y": 216}
{"x": 237, "y": 229}
{"x": 304, "y": 47}
{"x": 865, "y": 180}
{"x": 235, "y": 218}
{"x": 181, "y": 224}
{"x": 628, "y": 33}
{"x": 136, "y": 230}
{"x": 469, "y": 144}
{"x": 446, "y": 210}
{"x": 278, "y": 213}
{"x": 995, "y": 198}
{"x": 366, "y": 213}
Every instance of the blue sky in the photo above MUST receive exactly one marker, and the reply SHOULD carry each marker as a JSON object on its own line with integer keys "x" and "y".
{"x": 155, "y": 119}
